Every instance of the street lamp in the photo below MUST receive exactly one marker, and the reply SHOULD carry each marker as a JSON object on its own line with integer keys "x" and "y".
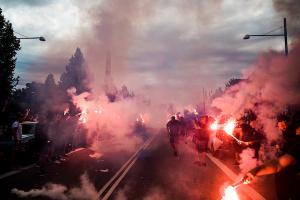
{"x": 30, "y": 38}
{"x": 247, "y": 36}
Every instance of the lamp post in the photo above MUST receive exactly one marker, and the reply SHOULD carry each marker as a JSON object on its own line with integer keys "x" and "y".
{"x": 284, "y": 34}
{"x": 32, "y": 38}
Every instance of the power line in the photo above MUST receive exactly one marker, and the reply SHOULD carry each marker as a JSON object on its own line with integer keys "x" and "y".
{"x": 20, "y": 34}
{"x": 273, "y": 30}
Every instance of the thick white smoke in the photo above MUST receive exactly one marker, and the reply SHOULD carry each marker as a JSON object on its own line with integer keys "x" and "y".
{"x": 247, "y": 161}
{"x": 86, "y": 191}
{"x": 111, "y": 126}
{"x": 269, "y": 87}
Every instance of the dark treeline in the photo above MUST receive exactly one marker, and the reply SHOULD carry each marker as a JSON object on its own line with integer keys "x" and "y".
{"x": 49, "y": 98}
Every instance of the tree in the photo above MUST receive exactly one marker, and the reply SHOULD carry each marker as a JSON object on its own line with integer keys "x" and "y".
{"x": 9, "y": 45}
{"x": 75, "y": 74}
{"x": 50, "y": 88}
{"x": 233, "y": 81}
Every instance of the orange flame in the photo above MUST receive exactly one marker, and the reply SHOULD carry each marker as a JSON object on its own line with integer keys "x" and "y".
{"x": 230, "y": 194}
{"x": 229, "y": 126}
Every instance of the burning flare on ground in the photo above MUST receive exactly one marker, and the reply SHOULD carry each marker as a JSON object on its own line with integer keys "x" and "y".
{"x": 230, "y": 194}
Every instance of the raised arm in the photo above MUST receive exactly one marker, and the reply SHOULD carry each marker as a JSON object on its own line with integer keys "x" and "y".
{"x": 271, "y": 167}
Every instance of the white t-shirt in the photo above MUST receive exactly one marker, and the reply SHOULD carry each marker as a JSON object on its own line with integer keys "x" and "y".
{"x": 17, "y": 124}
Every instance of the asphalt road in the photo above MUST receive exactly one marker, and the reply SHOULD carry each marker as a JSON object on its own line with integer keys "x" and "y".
{"x": 150, "y": 173}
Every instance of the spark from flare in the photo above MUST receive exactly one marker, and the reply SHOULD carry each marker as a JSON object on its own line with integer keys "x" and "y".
{"x": 230, "y": 194}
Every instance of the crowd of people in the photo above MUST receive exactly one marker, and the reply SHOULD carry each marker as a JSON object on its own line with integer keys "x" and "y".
{"x": 280, "y": 157}
{"x": 180, "y": 128}
{"x": 54, "y": 136}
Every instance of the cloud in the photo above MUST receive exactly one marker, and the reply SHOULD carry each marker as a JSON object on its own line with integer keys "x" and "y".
{"x": 16, "y": 3}
{"x": 151, "y": 42}
{"x": 291, "y": 10}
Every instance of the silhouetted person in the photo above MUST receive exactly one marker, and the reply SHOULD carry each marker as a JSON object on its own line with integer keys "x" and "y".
{"x": 201, "y": 139}
{"x": 16, "y": 130}
{"x": 173, "y": 128}
{"x": 183, "y": 128}
{"x": 286, "y": 168}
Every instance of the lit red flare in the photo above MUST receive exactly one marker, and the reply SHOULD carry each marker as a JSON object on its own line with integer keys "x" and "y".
{"x": 229, "y": 126}
{"x": 214, "y": 126}
{"x": 230, "y": 194}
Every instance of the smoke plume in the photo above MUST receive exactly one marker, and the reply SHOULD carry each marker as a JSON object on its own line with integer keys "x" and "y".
{"x": 268, "y": 88}
{"x": 112, "y": 126}
{"x": 86, "y": 191}
{"x": 247, "y": 161}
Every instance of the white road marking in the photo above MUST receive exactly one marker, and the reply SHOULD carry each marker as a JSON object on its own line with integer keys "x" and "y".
{"x": 233, "y": 176}
{"x": 74, "y": 151}
{"x": 125, "y": 168}
{"x": 16, "y": 171}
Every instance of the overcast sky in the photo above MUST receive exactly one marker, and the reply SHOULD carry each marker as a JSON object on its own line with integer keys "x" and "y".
{"x": 168, "y": 44}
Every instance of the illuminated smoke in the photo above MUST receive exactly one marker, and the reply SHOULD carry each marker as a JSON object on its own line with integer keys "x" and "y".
{"x": 111, "y": 126}
{"x": 269, "y": 87}
{"x": 247, "y": 160}
{"x": 86, "y": 191}
{"x": 51, "y": 190}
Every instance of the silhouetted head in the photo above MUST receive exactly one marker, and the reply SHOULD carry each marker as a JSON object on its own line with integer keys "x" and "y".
{"x": 173, "y": 118}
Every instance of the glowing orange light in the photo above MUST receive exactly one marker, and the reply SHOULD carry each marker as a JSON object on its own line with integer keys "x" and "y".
{"x": 230, "y": 194}
{"x": 229, "y": 126}
{"x": 214, "y": 126}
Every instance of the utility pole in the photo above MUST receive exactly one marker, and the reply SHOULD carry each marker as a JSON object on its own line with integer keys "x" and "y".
{"x": 285, "y": 37}
{"x": 284, "y": 34}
